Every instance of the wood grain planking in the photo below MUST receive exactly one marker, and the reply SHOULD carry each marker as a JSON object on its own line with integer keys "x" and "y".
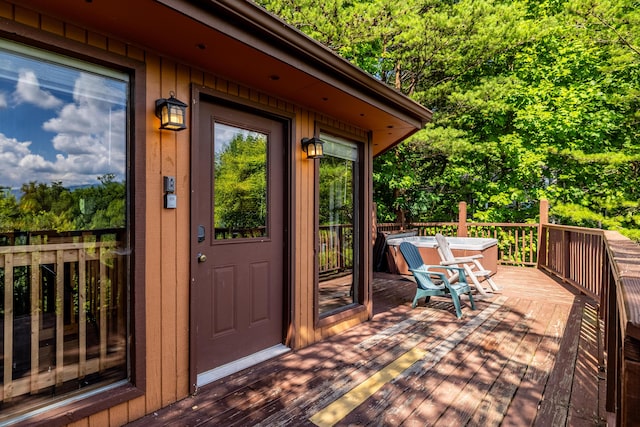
{"x": 75, "y": 33}
{"x": 183, "y": 244}
{"x": 525, "y": 402}
{"x": 168, "y": 239}
{"x": 446, "y": 395}
{"x": 6, "y": 10}
{"x": 306, "y": 309}
{"x": 555, "y": 402}
{"x": 136, "y": 408}
{"x": 295, "y": 370}
{"x": 135, "y": 53}
{"x": 100, "y": 419}
{"x": 478, "y": 373}
{"x": 81, "y": 423}
{"x": 341, "y": 366}
{"x": 120, "y": 48}
{"x": 52, "y": 25}
{"x": 349, "y": 362}
{"x": 509, "y": 367}
{"x": 391, "y": 406}
{"x": 118, "y": 415}
{"x": 153, "y": 253}
{"x": 26, "y": 16}
{"x": 277, "y": 391}
{"x": 585, "y": 404}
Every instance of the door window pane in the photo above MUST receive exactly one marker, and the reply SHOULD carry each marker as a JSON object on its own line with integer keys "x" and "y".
{"x": 337, "y": 216}
{"x": 63, "y": 227}
{"x": 240, "y": 183}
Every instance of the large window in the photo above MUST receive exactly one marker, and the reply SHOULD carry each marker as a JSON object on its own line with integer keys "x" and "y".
{"x": 338, "y": 214}
{"x": 64, "y": 292}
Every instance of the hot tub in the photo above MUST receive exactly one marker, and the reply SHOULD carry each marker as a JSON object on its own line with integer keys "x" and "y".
{"x": 460, "y": 246}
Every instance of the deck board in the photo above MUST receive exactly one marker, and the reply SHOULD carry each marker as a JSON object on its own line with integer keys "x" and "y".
{"x": 527, "y": 356}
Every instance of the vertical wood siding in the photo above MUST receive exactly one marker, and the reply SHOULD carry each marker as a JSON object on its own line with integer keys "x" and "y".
{"x": 167, "y": 249}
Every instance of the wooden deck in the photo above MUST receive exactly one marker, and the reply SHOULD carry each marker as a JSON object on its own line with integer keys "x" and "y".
{"x": 527, "y": 356}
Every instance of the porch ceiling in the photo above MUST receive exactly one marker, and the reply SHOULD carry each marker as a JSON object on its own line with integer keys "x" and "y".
{"x": 240, "y": 41}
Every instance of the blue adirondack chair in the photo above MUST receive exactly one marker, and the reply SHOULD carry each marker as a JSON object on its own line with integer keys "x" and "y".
{"x": 427, "y": 286}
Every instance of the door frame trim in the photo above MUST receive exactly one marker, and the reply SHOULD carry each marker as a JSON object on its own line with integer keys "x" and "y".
{"x": 203, "y": 93}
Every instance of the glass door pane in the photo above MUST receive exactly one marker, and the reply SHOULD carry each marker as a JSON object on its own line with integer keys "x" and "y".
{"x": 240, "y": 177}
{"x": 336, "y": 225}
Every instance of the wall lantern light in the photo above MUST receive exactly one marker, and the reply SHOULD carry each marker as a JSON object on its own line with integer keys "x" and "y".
{"x": 171, "y": 113}
{"x": 313, "y": 147}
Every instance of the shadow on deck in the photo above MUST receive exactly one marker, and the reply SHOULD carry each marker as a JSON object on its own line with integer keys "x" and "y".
{"x": 527, "y": 356}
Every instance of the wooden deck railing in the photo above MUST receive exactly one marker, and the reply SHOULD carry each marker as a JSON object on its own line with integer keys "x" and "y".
{"x": 336, "y": 248}
{"x": 605, "y": 265}
{"x": 602, "y": 264}
{"x": 63, "y": 313}
{"x": 517, "y": 243}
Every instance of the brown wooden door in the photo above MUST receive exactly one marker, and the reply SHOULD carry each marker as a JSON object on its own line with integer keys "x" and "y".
{"x": 238, "y": 221}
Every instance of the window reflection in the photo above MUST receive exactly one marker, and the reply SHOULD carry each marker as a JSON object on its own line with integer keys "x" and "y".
{"x": 337, "y": 193}
{"x": 63, "y": 218}
{"x": 240, "y": 183}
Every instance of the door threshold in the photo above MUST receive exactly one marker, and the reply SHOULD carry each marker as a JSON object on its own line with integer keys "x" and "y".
{"x": 240, "y": 364}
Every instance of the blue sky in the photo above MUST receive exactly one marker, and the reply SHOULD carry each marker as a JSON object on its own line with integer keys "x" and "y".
{"x": 58, "y": 123}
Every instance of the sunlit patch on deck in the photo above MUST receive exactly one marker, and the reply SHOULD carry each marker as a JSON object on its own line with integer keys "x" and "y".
{"x": 341, "y": 407}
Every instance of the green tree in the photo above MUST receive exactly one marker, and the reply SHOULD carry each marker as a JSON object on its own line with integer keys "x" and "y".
{"x": 531, "y": 99}
{"x": 9, "y": 210}
{"x": 241, "y": 184}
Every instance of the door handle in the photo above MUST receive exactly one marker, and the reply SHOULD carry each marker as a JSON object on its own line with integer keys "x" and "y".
{"x": 202, "y": 258}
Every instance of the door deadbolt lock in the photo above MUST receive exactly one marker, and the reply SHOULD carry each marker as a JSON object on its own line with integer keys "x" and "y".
{"x": 202, "y": 257}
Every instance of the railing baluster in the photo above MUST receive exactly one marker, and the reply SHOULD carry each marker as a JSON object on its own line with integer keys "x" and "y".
{"x": 82, "y": 313}
{"x": 35, "y": 321}
{"x": 8, "y": 327}
{"x": 103, "y": 328}
{"x": 105, "y": 272}
{"x": 59, "y": 311}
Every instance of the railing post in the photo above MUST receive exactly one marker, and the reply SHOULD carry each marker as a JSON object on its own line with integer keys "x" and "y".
{"x": 566, "y": 254}
{"x": 542, "y": 237}
{"x": 462, "y": 219}
{"x": 374, "y": 224}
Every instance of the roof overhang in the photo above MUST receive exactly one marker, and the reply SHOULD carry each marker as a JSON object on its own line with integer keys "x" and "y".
{"x": 242, "y": 42}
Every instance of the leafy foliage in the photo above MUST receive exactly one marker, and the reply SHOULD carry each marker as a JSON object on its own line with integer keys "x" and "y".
{"x": 241, "y": 184}
{"x": 531, "y": 99}
{"x": 55, "y": 207}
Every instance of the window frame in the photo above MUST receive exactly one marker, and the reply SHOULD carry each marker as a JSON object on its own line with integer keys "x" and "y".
{"x": 359, "y": 201}
{"x": 66, "y": 410}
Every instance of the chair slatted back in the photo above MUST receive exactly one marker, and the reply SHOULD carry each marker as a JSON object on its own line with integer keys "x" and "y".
{"x": 411, "y": 255}
{"x": 444, "y": 249}
{"x": 414, "y": 260}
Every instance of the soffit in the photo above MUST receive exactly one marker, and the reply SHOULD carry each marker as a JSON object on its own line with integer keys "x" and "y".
{"x": 238, "y": 40}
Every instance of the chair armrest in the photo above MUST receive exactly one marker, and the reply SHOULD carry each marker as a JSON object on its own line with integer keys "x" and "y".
{"x": 426, "y": 270}
{"x": 463, "y": 260}
{"x": 460, "y": 270}
{"x": 442, "y": 267}
{"x": 472, "y": 257}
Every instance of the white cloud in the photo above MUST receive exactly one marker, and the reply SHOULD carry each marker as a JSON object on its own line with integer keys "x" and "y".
{"x": 89, "y": 140}
{"x": 28, "y": 90}
{"x": 12, "y": 152}
{"x": 36, "y": 164}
